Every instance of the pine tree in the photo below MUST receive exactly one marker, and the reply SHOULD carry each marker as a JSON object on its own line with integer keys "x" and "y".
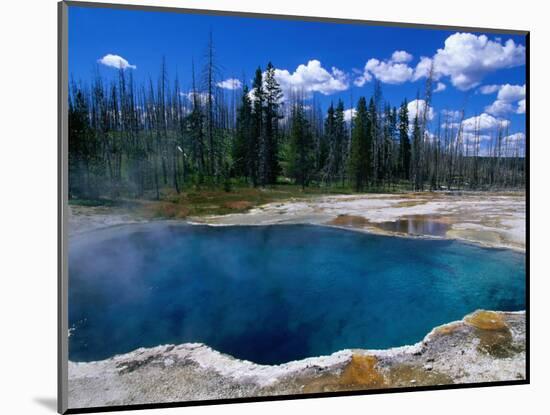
{"x": 328, "y": 147}
{"x": 243, "y": 136}
{"x": 256, "y": 147}
{"x": 361, "y": 137}
{"x": 209, "y": 79}
{"x": 404, "y": 142}
{"x": 341, "y": 141}
{"x": 388, "y": 134}
{"x": 373, "y": 157}
{"x": 273, "y": 96}
{"x": 417, "y": 168}
{"x": 146, "y": 141}
{"x": 394, "y": 134}
{"x": 196, "y": 132}
{"x": 302, "y": 146}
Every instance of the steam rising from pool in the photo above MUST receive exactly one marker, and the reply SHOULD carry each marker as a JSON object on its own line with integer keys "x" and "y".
{"x": 271, "y": 294}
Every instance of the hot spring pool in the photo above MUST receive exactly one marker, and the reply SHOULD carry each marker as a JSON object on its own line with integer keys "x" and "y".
{"x": 271, "y": 294}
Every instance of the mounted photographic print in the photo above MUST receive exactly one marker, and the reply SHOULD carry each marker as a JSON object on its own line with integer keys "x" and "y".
{"x": 256, "y": 207}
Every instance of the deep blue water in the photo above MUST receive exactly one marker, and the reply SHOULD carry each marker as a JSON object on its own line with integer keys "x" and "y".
{"x": 272, "y": 294}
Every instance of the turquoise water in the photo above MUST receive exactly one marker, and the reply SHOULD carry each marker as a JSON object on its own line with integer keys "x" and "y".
{"x": 271, "y": 294}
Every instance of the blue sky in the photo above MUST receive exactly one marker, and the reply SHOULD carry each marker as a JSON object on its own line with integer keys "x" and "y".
{"x": 485, "y": 72}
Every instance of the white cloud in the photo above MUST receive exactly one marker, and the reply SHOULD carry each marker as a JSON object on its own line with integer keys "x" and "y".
{"x": 474, "y": 144}
{"x": 389, "y": 72}
{"x": 116, "y": 61}
{"x": 521, "y": 107}
{"x": 514, "y": 144}
{"x": 417, "y": 107}
{"x": 392, "y": 71}
{"x": 515, "y": 138}
{"x": 483, "y": 122}
{"x": 511, "y": 92}
{"x": 423, "y": 68}
{"x": 452, "y": 115}
{"x": 201, "y": 96}
{"x": 231, "y": 83}
{"x": 499, "y": 107}
{"x": 401, "y": 56}
{"x": 489, "y": 89}
{"x": 440, "y": 87}
{"x": 312, "y": 78}
{"x": 362, "y": 79}
{"x": 467, "y": 58}
{"x": 506, "y": 97}
{"x": 349, "y": 114}
{"x": 472, "y": 137}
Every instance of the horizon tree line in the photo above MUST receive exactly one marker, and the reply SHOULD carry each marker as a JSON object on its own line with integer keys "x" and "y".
{"x": 134, "y": 141}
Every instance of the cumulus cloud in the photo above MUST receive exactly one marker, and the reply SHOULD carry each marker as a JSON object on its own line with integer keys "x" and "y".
{"x": 392, "y": 71}
{"x": 466, "y": 59}
{"x": 312, "y": 77}
{"x": 508, "y": 99}
{"x": 401, "y": 56}
{"x": 417, "y": 107}
{"x": 349, "y": 114}
{"x": 515, "y": 138}
{"x": 202, "y": 97}
{"x": 514, "y": 144}
{"x": 389, "y": 72}
{"x": 483, "y": 122}
{"x": 116, "y": 61}
{"x": 440, "y": 86}
{"x": 489, "y": 89}
{"x": 452, "y": 115}
{"x": 521, "y": 107}
{"x": 231, "y": 83}
{"x": 511, "y": 92}
{"x": 499, "y": 107}
{"x": 471, "y": 137}
{"x": 423, "y": 68}
{"x": 473, "y": 144}
{"x": 362, "y": 79}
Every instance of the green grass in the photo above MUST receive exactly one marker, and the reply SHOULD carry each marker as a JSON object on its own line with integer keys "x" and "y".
{"x": 212, "y": 200}
{"x": 215, "y": 200}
